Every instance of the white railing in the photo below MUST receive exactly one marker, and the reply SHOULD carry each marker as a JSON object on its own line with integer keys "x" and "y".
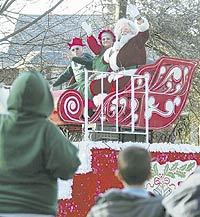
{"x": 133, "y": 130}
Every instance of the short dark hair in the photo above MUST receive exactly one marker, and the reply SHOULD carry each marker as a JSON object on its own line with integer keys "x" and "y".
{"x": 134, "y": 164}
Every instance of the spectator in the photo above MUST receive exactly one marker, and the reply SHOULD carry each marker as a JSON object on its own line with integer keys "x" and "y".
{"x": 185, "y": 200}
{"x": 134, "y": 168}
{"x": 33, "y": 151}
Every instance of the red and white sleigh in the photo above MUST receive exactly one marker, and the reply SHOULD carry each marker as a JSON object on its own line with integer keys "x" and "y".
{"x": 169, "y": 82}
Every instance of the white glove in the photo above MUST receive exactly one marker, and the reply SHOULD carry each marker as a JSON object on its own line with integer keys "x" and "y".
{"x": 133, "y": 11}
{"x": 99, "y": 98}
{"x": 111, "y": 78}
{"x": 87, "y": 27}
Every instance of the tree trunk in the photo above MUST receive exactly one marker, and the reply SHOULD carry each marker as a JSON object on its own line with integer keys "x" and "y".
{"x": 121, "y": 9}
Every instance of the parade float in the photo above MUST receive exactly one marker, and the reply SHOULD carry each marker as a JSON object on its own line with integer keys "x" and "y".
{"x": 167, "y": 85}
{"x": 150, "y": 98}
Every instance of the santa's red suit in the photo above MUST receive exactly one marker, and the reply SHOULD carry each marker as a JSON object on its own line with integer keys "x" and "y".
{"x": 128, "y": 50}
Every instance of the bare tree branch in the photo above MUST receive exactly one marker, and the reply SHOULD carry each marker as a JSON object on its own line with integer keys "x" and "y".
{"x": 31, "y": 23}
{"x": 6, "y": 5}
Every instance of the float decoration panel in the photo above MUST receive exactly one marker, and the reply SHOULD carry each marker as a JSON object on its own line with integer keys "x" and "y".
{"x": 171, "y": 165}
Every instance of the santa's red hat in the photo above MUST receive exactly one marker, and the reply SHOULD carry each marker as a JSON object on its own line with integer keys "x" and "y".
{"x": 75, "y": 41}
{"x": 106, "y": 31}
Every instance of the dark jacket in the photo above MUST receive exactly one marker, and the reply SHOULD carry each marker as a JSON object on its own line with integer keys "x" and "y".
{"x": 185, "y": 201}
{"x": 76, "y": 70}
{"x": 116, "y": 203}
{"x": 33, "y": 151}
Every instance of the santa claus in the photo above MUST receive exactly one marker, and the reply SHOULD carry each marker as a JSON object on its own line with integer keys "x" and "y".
{"x": 129, "y": 49}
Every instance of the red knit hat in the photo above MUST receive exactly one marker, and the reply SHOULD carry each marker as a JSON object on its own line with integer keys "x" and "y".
{"x": 75, "y": 41}
{"x": 106, "y": 31}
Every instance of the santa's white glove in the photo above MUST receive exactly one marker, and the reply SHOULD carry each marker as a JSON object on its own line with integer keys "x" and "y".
{"x": 87, "y": 27}
{"x": 133, "y": 11}
{"x": 99, "y": 98}
{"x": 111, "y": 78}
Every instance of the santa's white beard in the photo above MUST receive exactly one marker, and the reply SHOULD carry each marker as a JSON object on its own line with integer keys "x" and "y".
{"x": 110, "y": 55}
{"x": 123, "y": 40}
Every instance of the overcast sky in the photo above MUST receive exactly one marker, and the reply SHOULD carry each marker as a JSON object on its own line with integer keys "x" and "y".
{"x": 40, "y": 6}
{"x": 37, "y": 7}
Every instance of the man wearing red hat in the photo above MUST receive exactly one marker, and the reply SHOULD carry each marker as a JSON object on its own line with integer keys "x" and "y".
{"x": 75, "y": 71}
{"x": 106, "y": 39}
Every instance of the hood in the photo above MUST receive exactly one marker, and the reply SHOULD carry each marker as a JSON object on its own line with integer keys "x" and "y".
{"x": 30, "y": 93}
{"x": 185, "y": 201}
{"x": 112, "y": 195}
{"x": 117, "y": 195}
{"x": 118, "y": 203}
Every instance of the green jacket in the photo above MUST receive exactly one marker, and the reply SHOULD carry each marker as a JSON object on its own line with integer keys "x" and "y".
{"x": 76, "y": 69}
{"x": 99, "y": 64}
{"x": 33, "y": 151}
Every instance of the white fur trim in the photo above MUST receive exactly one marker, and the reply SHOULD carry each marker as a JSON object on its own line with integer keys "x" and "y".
{"x": 144, "y": 26}
{"x": 125, "y": 38}
{"x": 106, "y": 55}
{"x": 117, "y": 45}
{"x": 113, "y": 61}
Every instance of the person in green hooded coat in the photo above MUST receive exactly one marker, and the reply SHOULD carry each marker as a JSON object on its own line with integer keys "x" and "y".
{"x": 33, "y": 151}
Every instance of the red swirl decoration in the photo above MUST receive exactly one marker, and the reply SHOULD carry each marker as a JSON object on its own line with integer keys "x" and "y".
{"x": 71, "y": 106}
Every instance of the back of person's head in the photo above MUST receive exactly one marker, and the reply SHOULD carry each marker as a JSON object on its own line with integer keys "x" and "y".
{"x": 30, "y": 94}
{"x": 134, "y": 165}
